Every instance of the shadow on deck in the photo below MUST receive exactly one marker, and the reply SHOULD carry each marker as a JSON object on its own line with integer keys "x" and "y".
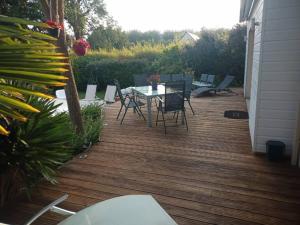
{"x": 205, "y": 176}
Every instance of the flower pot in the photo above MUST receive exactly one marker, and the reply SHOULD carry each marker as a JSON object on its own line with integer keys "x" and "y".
{"x": 154, "y": 86}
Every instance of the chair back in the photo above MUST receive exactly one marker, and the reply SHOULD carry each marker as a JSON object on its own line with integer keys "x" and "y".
{"x": 225, "y": 83}
{"x": 174, "y": 96}
{"x": 211, "y": 79}
{"x": 90, "y": 93}
{"x": 177, "y": 77}
{"x": 188, "y": 85}
{"x": 140, "y": 80}
{"x": 165, "y": 78}
{"x": 119, "y": 92}
{"x": 110, "y": 93}
{"x": 203, "y": 77}
{"x": 61, "y": 94}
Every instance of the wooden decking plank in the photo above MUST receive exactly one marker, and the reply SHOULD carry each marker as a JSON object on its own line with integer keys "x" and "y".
{"x": 205, "y": 176}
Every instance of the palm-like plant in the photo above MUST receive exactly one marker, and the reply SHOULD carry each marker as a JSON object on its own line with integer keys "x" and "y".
{"x": 28, "y": 65}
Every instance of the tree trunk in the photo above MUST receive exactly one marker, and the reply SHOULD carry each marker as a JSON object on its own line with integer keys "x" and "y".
{"x": 70, "y": 88}
{"x": 57, "y": 14}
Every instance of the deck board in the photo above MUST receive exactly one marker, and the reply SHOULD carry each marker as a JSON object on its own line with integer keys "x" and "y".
{"x": 207, "y": 175}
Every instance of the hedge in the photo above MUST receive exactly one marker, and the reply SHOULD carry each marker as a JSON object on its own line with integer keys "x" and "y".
{"x": 103, "y": 72}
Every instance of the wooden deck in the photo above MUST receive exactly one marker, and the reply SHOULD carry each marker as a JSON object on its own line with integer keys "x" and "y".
{"x": 205, "y": 176}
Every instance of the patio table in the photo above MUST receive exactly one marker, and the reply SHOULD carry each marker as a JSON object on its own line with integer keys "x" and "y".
{"x": 148, "y": 93}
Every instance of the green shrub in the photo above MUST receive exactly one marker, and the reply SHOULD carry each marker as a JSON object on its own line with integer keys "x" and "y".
{"x": 105, "y": 71}
{"x": 34, "y": 149}
{"x": 93, "y": 124}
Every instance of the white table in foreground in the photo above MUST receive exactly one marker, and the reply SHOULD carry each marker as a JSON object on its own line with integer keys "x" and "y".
{"x": 125, "y": 210}
{"x": 148, "y": 93}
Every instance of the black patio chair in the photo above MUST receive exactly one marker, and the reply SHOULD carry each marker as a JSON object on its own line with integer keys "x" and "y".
{"x": 188, "y": 90}
{"x": 165, "y": 78}
{"x": 173, "y": 102}
{"x": 140, "y": 80}
{"x": 177, "y": 77}
{"x": 131, "y": 103}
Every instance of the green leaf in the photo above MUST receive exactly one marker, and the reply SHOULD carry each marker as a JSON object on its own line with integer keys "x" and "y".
{"x": 17, "y": 104}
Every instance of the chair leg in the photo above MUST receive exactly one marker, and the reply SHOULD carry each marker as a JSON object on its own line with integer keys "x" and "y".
{"x": 191, "y": 106}
{"x": 126, "y": 108}
{"x": 187, "y": 128}
{"x": 177, "y": 117}
{"x": 164, "y": 122}
{"x": 156, "y": 117}
{"x": 119, "y": 112}
{"x": 140, "y": 112}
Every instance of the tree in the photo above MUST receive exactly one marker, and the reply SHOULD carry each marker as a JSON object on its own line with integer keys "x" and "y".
{"x": 209, "y": 54}
{"x": 27, "y": 9}
{"x": 57, "y": 14}
{"x": 108, "y": 38}
{"x": 85, "y": 15}
{"x": 237, "y": 50}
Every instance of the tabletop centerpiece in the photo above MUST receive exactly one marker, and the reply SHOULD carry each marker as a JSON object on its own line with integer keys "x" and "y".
{"x": 154, "y": 81}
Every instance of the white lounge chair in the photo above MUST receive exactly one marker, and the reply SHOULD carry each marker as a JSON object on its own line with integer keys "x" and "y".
{"x": 110, "y": 93}
{"x": 90, "y": 94}
{"x": 61, "y": 94}
{"x": 124, "y": 210}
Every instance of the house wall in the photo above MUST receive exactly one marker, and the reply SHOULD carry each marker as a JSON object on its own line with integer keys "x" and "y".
{"x": 279, "y": 92}
{"x": 257, "y": 14}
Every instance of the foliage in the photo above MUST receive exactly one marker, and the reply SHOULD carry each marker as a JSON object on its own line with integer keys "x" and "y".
{"x": 153, "y": 37}
{"x": 93, "y": 124}
{"x": 218, "y": 52}
{"x": 35, "y": 148}
{"x": 108, "y": 38}
{"x": 105, "y": 71}
{"x": 85, "y": 15}
{"x": 27, "y": 9}
{"x": 26, "y": 57}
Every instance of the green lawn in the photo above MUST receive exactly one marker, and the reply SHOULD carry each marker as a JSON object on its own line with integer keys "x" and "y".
{"x": 99, "y": 94}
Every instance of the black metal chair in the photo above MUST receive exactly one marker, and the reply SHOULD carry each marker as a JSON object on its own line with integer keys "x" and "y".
{"x": 177, "y": 77}
{"x": 131, "y": 103}
{"x": 140, "y": 80}
{"x": 173, "y": 102}
{"x": 188, "y": 90}
{"x": 165, "y": 78}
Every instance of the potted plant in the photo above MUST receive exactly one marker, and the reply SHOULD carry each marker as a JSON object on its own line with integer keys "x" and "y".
{"x": 55, "y": 28}
{"x": 80, "y": 47}
{"x": 154, "y": 81}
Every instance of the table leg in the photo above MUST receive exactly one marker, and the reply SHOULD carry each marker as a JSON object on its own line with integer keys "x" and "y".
{"x": 149, "y": 113}
{"x": 182, "y": 118}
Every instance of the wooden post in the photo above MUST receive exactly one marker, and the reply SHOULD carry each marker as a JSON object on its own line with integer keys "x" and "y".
{"x": 57, "y": 14}
{"x": 71, "y": 89}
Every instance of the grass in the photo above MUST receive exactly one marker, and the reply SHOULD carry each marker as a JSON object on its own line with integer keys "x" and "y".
{"x": 99, "y": 94}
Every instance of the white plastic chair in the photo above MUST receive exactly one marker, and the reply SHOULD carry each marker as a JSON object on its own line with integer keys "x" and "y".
{"x": 110, "y": 93}
{"x": 61, "y": 94}
{"x": 90, "y": 93}
{"x": 124, "y": 210}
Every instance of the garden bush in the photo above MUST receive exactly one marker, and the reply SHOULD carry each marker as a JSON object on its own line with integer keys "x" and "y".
{"x": 105, "y": 71}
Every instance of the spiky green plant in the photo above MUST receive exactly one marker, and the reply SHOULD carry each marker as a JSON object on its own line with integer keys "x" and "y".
{"x": 34, "y": 149}
{"x": 26, "y": 57}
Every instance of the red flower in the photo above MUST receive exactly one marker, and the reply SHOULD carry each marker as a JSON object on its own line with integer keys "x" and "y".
{"x": 54, "y": 24}
{"x": 80, "y": 47}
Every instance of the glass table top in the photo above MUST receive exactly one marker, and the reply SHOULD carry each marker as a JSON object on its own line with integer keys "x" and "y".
{"x": 148, "y": 91}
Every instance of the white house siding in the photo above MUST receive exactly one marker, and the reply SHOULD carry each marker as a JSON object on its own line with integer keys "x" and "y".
{"x": 279, "y": 85}
{"x": 257, "y": 14}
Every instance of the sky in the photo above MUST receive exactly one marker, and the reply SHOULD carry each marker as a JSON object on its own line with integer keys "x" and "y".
{"x": 174, "y": 15}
